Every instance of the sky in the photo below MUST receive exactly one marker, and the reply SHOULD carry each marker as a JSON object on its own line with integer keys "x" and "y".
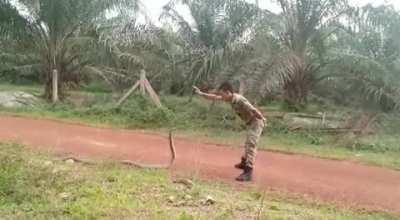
{"x": 154, "y": 7}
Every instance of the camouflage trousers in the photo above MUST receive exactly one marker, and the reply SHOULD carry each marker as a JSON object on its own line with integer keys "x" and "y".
{"x": 254, "y": 131}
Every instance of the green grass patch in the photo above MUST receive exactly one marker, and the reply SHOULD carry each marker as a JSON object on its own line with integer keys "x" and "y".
{"x": 37, "y": 186}
{"x": 33, "y": 89}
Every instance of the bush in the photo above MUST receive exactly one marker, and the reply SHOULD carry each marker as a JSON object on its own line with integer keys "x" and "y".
{"x": 199, "y": 113}
{"x": 95, "y": 87}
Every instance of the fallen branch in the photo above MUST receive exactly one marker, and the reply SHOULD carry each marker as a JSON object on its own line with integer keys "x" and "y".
{"x": 134, "y": 163}
{"x": 338, "y": 130}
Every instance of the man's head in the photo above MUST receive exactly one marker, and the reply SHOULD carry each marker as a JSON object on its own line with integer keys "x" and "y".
{"x": 226, "y": 91}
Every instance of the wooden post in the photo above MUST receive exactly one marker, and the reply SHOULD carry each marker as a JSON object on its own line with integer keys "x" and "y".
{"x": 152, "y": 94}
{"x": 123, "y": 99}
{"x": 241, "y": 86}
{"x": 55, "y": 86}
{"x": 144, "y": 85}
{"x": 143, "y": 82}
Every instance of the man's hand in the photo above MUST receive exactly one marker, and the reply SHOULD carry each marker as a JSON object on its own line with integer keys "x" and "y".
{"x": 264, "y": 119}
{"x": 197, "y": 90}
{"x": 259, "y": 115}
{"x": 208, "y": 96}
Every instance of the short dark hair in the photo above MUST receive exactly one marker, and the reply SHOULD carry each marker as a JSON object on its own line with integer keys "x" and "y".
{"x": 226, "y": 87}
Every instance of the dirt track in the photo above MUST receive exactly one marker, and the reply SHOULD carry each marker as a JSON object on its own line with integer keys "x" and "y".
{"x": 341, "y": 182}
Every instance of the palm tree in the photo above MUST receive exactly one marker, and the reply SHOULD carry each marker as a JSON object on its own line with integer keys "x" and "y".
{"x": 128, "y": 50}
{"x": 305, "y": 25}
{"x": 61, "y": 33}
{"x": 366, "y": 60}
{"x": 217, "y": 26}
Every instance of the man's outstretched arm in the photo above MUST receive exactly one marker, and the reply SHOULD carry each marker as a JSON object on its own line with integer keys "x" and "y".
{"x": 208, "y": 96}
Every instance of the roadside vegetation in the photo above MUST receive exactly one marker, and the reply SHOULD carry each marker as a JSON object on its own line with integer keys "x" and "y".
{"x": 38, "y": 186}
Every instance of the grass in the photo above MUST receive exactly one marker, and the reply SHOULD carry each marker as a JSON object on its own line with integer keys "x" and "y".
{"x": 34, "y": 89}
{"x": 218, "y": 124}
{"x": 37, "y": 186}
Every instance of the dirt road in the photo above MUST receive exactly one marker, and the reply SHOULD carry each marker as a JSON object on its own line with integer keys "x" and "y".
{"x": 341, "y": 182}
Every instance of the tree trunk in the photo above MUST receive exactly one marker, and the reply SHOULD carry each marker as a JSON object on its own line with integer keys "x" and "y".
{"x": 297, "y": 88}
{"x": 296, "y": 93}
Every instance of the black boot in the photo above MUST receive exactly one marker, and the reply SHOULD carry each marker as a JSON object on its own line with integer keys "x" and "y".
{"x": 247, "y": 175}
{"x": 242, "y": 164}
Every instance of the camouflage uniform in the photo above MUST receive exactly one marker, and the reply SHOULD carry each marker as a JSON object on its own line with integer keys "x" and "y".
{"x": 255, "y": 126}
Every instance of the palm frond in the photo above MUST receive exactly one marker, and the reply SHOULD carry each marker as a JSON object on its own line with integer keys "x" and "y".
{"x": 363, "y": 75}
{"x": 12, "y": 24}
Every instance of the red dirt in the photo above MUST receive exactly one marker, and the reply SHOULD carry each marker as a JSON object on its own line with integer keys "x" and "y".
{"x": 341, "y": 182}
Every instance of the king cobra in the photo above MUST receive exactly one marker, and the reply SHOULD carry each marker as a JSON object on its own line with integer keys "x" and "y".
{"x": 135, "y": 163}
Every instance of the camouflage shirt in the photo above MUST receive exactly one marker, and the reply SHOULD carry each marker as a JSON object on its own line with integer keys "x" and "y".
{"x": 243, "y": 108}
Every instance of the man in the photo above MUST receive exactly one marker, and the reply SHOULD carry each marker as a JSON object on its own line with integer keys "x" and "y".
{"x": 250, "y": 115}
